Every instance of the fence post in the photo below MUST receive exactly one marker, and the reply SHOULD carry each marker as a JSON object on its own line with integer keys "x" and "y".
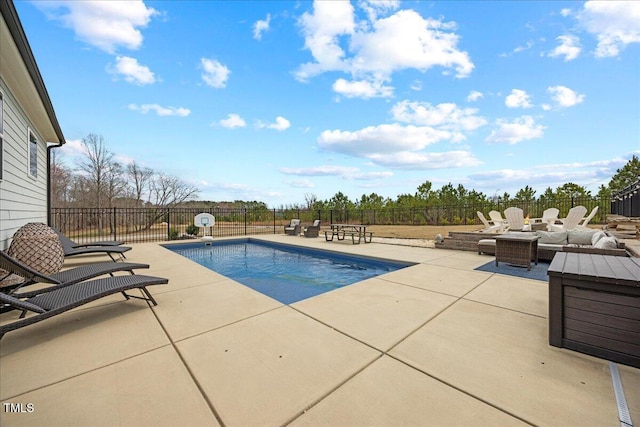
{"x": 115, "y": 224}
{"x": 168, "y": 225}
{"x": 274, "y": 221}
{"x": 245, "y": 221}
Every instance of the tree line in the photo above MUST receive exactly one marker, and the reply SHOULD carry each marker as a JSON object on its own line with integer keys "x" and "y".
{"x": 453, "y": 195}
{"x": 99, "y": 181}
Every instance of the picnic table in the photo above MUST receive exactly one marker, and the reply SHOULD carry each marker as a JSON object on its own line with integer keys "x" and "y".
{"x": 354, "y": 230}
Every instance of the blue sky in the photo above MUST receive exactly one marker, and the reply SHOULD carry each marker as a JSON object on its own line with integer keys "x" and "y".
{"x": 269, "y": 101}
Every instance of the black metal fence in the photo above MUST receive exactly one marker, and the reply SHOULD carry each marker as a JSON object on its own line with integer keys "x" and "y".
{"x": 159, "y": 224}
{"x": 627, "y": 201}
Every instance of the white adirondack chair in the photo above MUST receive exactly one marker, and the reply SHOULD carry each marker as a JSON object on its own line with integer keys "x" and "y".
{"x": 515, "y": 218}
{"x": 488, "y": 227}
{"x": 583, "y": 224}
{"x": 574, "y": 216}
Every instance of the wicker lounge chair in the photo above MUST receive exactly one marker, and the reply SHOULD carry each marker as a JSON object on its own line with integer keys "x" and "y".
{"x": 72, "y": 244}
{"x": 49, "y": 304}
{"x": 312, "y": 230}
{"x": 110, "y": 248}
{"x": 25, "y": 275}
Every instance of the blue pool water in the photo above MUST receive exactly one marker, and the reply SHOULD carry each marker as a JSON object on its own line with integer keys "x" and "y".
{"x": 283, "y": 272}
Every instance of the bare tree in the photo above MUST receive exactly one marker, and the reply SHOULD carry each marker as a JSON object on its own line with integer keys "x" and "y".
{"x": 61, "y": 181}
{"x": 140, "y": 180}
{"x": 115, "y": 185}
{"x": 96, "y": 164}
{"x": 168, "y": 191}
{"x": 310, "y": 199}
{"x": 101, "y": 174}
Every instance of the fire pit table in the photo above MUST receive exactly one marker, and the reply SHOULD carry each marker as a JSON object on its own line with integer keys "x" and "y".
{"x": 517, "y": 249}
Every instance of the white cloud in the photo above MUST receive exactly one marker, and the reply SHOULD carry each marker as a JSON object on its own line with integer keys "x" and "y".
{"x": 424, "y": 161}
{"x": 73, "y": 149}
{"x": 132, "y": 71}
{"x": 521, "y": 129}
{"x": 565, "y": 97}
{"x": 214, "y": 73}
{"x": 280, "y": 124}
{"x": 474, "y": 95}
{"x": 325, "y": 170}
{"x": 518, "y": 99}
{"x": 345, "y": 172}
{"x": 527, "y": 46}
{"x": 104, "y": 24}
{"x": 160, "y": 111}
{"x": 615, "y": 24}
{"x": 300, "y": 183}
{"x": 444, "y": 116}
{"x": 233, "y": 121}
{"x": 373, "y": 8}
{"x": 381, "y": 139}
{"x": 362, "y": 89}
{"x": 321, "y": 30}
{"x": 569, "y": 48}
{"x": 377, "y": 47}
{"x": 565, "y": 12}
{"x": 260, "y": 27}
{"x": 416, "y": 85}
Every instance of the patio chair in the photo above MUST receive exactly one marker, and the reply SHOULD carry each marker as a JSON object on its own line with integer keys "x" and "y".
{"x": 583, "y": 224}
{"x": 23, "y": 275}
{"x": 52, "y": 303}
{"x": 293, "y": 229}
{"x": 550, "y": 216}
{"x": 488, "y": 228}
{"x": 28, "y": 241}
{"x": 574, "y": 216}
{"x": 108, "y": 250}
{"x": 515, "y": 219}
{"x": 72, "y": 244}
{"x": 312, "y": 230}
{"x": 496, "y": 217}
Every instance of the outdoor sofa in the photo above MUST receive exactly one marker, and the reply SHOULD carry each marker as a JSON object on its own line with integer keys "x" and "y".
{"x": 592, "y": 241}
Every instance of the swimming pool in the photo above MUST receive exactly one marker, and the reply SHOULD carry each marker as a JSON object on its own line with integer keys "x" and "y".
{"x": 284, "y": 272}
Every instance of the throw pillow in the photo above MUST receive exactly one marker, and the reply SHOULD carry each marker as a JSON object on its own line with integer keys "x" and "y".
{"x": 552, "y": 237}
{"x": 606, "y": 243}
{"x": 597, "y": 236}
{"x": 581, "y": 237}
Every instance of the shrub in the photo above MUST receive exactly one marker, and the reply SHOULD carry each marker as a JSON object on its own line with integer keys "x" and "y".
{"x": 173, "y": 233}
{"x": 192, "y": 229}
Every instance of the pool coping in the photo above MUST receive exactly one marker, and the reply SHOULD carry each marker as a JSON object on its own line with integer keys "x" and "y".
{"x": 452, "y": 338}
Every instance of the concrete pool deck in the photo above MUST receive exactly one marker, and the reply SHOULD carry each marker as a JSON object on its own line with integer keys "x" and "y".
{"x": 433, "y": 344}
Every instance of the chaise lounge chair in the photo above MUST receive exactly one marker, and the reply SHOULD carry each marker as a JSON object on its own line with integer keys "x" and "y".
{"x": 52, "y": 303}
{"x": 28, "y": 276}
{"x": 75, "y": 245}
{"x": 110, "y": 248}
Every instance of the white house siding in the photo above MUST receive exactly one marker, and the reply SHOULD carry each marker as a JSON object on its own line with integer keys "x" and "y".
{"x": 23, "y": 199}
